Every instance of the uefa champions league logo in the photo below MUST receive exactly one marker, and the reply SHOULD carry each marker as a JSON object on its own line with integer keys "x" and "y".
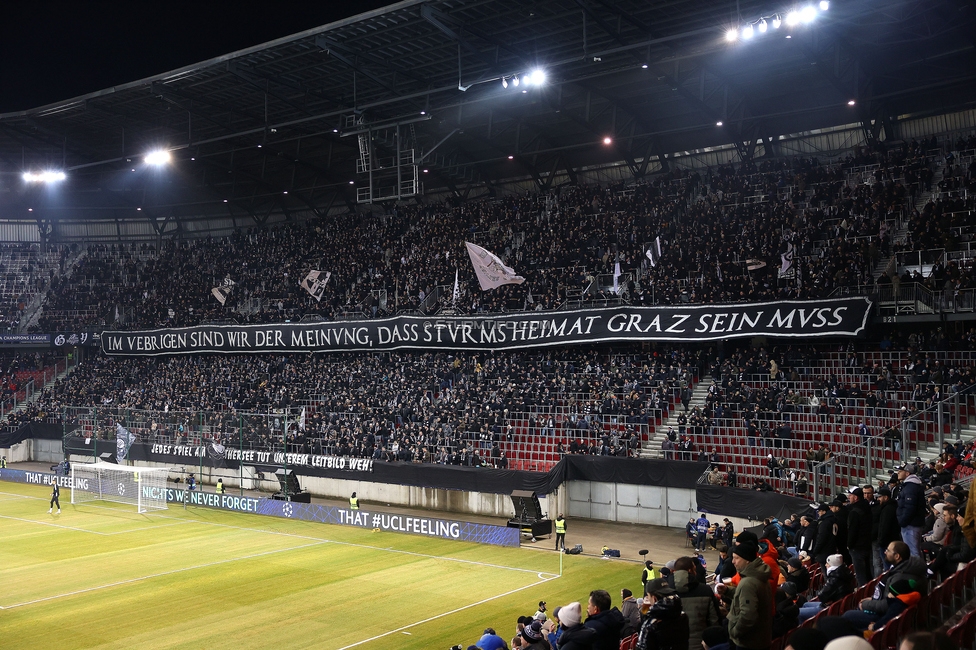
{"x": 287, "y": 509}
{"x": 121, "y": 489}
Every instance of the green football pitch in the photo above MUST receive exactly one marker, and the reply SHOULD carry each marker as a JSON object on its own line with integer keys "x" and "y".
{"x": 100, "y": 575}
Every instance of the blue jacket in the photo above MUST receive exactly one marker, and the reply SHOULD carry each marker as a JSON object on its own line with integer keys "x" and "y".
{"x": 911, "y": 503}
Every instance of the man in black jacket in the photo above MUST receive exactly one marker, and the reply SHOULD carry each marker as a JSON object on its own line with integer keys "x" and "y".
{"x": 888, "y": 529}
{"x": 826, "y": 543}
{"x": 665, "y": 626}
{"x": 606, "y": 621}
{"x": 859, "y": 536}
{"x": 904, "y": 567}
{"x": 806, "y": 536}
{"x": 874, "y": 507}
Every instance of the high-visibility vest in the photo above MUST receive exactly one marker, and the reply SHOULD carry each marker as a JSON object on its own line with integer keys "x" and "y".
{"x": 220, "y": 487}
{"x": 354, "y": 503}
{"x": 561, "y": 526}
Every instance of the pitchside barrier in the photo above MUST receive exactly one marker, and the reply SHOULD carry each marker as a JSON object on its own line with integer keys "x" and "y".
{"x": 465, "y": 531}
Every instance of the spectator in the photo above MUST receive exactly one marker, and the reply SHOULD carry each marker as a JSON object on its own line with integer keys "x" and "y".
{"x": 607, "y": 622}
{"x": 665, "y": 625}
{"x": 838, "y": 582}
{"x": 911, "y": 508}
{"x": 574, "y": 635}
{"x": 751, "y": 612}
{"x": 904, "y": 567}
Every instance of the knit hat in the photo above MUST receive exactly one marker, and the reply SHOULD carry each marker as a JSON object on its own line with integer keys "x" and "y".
{"x": 951, "y": 500}
{"x": 837, "y": 502}
{"x": 789, "y": 588}
{"x": 716, "y": 635}
{"x": 939, "y": 507}
{"x": 835, "y": 560}
{"x": 903, "y": 586}
{"x": 747, "y": 536}
{"x": 849, "y": 643}
{"x": 884, "y": 491}
{"x": 823, "y": 506}
{"x": 747, "y": 550}
{"x": 570, "y": 615}
{"x": 532, "y": 631}
{"x": 804, "y": 638}
{"x": 795, "y": 563}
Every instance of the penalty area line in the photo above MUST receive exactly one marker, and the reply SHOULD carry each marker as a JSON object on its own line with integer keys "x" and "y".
{"x": 157, "y": 575}
{"x": 453, "y": 611}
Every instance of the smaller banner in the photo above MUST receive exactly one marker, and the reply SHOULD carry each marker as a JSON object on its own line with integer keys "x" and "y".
{"x": 491, "y": 271}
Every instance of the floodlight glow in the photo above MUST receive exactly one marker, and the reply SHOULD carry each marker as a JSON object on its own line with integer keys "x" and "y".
{"x": 747, "y": 32}
{"x": 719, "y": 123}
{"x": 43, "y": 177}
{"x": 763, "y": 26}
{"x": 504, "y": 82}
{"x": 792, "y": 18}
{"x": 607, "y": 140}
{"x": 515, "y": 81}
{"x": 731, "y": 35}
{"x": 536, "y": 78}
{"x": 851, "y": 102}
{"x": 824, "y": 5}
{"x": 158, "y": 157}
{"x": 777, "y": 21}
{"x": 808, "y": 14}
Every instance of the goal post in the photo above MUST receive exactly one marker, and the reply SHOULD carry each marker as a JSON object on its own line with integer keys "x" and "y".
{"x": 143, "y": 487}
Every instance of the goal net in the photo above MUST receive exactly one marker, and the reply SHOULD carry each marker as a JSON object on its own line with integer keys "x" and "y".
{"x": 143, "y": 487}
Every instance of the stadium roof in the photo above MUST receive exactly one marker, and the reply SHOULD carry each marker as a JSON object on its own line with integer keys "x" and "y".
{"x": 276, "y": 129}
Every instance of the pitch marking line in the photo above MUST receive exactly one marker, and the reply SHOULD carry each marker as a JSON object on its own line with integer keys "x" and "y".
{"x": 93, "y": 532}
{"x": 156, "y": 575}
{"x": 403, "y": 629}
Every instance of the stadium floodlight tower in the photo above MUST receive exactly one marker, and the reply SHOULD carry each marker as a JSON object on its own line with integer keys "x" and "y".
{"x": 143, "y": 487}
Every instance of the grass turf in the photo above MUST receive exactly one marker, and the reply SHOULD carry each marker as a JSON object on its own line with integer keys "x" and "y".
{"x": 101, "y": 575}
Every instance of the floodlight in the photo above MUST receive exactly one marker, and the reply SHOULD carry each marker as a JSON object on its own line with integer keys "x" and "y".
{"x": 747, "y": 32}
{"x": 808, "y": 14}
{"x": 719, "y": 123}
{"x": 607, "y": 140}
{"x": 731, "y": 35}
{"x": 644, "y": 66}
{"x": 511, "y": 157}
{"x": 851, "y": 102}
{"x": 824, "y": 5}
{"x": 504, "y": 82}
{"x": 158, "y": 157}
{"x": 777, "y": 21}
{"x": 43, "y": 177}
{"x": 763, "y": 26}
{"x": 515, "y": 81}
{"x": 537, "y": 77}
{"x": 792, "y": 18}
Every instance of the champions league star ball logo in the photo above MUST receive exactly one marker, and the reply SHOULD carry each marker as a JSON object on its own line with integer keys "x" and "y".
{"x": 287, "y": 509}
{"x": 121, "y": 489}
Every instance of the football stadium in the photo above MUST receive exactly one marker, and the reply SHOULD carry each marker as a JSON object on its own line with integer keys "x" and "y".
{"x": 583, "y": 324}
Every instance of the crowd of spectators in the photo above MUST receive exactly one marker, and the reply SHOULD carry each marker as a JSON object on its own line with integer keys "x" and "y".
{"x": 722, "y": 232}
{"x": 868, "y": 547}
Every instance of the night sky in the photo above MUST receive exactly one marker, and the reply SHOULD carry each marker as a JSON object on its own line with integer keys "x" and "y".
{"x": 53, "y": 51}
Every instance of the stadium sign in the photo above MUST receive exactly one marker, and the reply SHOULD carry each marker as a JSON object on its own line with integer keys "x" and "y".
{"x": 792, "y": 319}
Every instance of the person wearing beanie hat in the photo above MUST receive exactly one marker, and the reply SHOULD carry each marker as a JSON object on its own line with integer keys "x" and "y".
{"x": 491, "y": 641}
{"x": 905, "y": 567}
{"x": 787, "y": 611}
{"x": 751, "y": 612}
{"x": 902, "y": 594}
{"x": 806, "y": 639}
{"x": 838, "y": 582}
{"x": 888, "y": 529}
{"x": 531, "y": 638}
{"x": 665, "y": 626}
{"x": 797, "y": 575}
{"x": 697, "y": 600}
{"x": 574, "y": 635}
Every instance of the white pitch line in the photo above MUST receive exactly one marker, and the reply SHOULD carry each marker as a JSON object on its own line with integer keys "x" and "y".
{"x": 453, "y": 611}
{"x": 53, "y": 525}
{"x": 154, "y": 575}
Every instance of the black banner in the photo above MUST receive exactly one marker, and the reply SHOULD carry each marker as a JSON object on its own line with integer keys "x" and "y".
{"x": 814, "y": 318}
{"x": 749, "y": 504}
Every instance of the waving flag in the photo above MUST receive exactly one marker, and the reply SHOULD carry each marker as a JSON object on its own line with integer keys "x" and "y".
{"x": 491, "y": 271}
{"x": 786, "y": 262}
{"x": 654, "y": 252}
{"x": 123, "y": 441}
{"x": 315, "y": 283}
{"x": 217, "y": 453}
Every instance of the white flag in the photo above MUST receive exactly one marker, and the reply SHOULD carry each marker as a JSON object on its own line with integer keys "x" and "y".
{"x": 654, "y": 252}
{"x": 315, "y": 283}
{"x": 786, "y": 261}
{"x": 616, "y": 278}
{"x": 221, "y": 293}
{"x": 457, "y": 292}
{"x": 491, "y": 271}
{"x": 301, "y": 420}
